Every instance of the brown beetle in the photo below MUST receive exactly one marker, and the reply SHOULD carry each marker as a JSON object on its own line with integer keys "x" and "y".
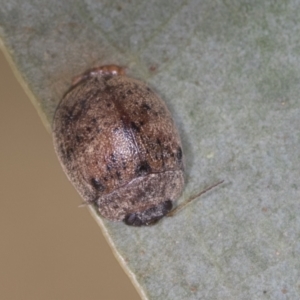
{"x": 119, "y": 146}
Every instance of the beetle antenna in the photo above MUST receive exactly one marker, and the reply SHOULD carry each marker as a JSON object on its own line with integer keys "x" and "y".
{"x": 189, "y": 200}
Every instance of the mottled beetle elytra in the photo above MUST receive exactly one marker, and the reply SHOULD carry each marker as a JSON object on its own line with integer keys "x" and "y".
{"x": 119, "y": 146}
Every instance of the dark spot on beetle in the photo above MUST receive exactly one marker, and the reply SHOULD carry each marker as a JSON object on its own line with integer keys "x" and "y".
{"x": 69, "y": 153}
{"x": 147, "y": 190}
{"x": 88, "y": 129}
{"x": 113, "y": 158}
{"x": 143, "y": 169}
{"x": 142, "y": 123}
{"x": 79, "y": 138}
{"x": 116, "y": 129}
{"x": 108, "y": 105}
{"x": 62, "y": 130}
{"x": 133, "y": 201}
{"x": 167, "y": 206}
{"x": 118, "y": 175}
{"x": 148, "y": 89}
{"x": 126, "y": 132}
{"x": 98, "y": 130}
{"x": 71, "y": 116}
{"x": 83, "y": 104}
{"x": 96, "y": 183}
{"x": 116, "y": 206}
{"x": 129, "y": 92}
{"x": 135, "y": 127}
{"x": 158, "y": 141}
{"x": 179, "y": 154}
{"x": 140, "y": 195}
{"x": 133, "y": 219}
{"x": 146, "y": 106}
{"x": 149, "y": 216}
{"x": 94, "y": 120}
{"x": 108, "y": 89}
{"x": 63, "y": 152}
{"x": 105, "y": 178}
{"x": 108, "y": 167}
{"x": 68, "y": 116}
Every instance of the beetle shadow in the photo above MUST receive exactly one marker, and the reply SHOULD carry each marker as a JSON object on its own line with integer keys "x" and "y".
{"x": 188, "y": 157}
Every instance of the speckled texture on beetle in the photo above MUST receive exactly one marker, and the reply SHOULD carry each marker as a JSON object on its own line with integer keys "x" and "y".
{"x": 118, "y": 145}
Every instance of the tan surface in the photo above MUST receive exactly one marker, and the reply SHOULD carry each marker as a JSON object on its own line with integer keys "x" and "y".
{"x": 50, "y": 248}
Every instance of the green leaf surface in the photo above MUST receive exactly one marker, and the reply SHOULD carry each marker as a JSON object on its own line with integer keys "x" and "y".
{"x": 229, "y": 72}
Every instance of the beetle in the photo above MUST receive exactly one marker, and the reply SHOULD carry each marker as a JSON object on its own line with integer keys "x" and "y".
{"x": 119, "y": 146}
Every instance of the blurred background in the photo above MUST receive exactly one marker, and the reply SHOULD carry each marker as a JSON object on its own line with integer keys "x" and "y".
{"x": 50, "y": 248}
